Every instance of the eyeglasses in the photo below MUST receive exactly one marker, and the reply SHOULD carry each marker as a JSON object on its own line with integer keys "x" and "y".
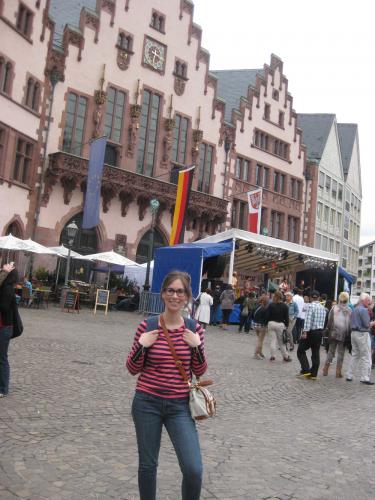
{"x": 180, "y": 292}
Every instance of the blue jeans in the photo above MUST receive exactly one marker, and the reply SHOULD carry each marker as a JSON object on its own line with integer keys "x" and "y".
{"x": 150, "y": 413}
{"x": 5, "y": 336}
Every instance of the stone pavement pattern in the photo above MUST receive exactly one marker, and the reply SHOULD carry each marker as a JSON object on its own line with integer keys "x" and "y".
{"x": 66, "y": 430}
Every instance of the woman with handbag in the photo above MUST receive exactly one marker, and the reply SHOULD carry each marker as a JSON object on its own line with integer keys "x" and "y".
{"x": 8, "y": 278}
{"x": 162, "y": 394}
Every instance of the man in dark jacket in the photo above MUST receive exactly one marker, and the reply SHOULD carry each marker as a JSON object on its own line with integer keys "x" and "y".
{"x": 216, "y": 303}
{"x": 8, "y": 278}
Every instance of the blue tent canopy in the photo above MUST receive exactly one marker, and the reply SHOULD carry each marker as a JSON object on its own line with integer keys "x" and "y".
{"x": 187, "y": 257}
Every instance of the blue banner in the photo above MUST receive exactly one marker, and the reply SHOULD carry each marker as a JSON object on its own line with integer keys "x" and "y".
{"x": 94, "y": 182}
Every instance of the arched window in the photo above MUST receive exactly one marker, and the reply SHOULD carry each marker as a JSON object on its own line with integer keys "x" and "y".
{"x": 29, "y": 92}
{"x": 5, "y": 84}
{"x": 15, "y": 230}
{"x": 145, "y": 244}
{"x": 35, "y": 100}
{"x": 85, "y": 243}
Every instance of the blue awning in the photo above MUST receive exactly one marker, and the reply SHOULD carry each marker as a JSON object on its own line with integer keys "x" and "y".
{"x": 186, "y": 257}
{"x": 346, "y": 275}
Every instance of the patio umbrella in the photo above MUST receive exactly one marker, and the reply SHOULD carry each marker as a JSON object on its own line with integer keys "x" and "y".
{"x": 112, "y": 257}
{"x": 62, "y": 252}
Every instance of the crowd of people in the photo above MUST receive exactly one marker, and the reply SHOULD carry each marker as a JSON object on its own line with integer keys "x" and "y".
{"x": 301, "y": 319}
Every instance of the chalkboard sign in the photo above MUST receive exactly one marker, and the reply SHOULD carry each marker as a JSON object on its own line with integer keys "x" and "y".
{"x": 71, "y": 301}
{"x": 102, "y": 298}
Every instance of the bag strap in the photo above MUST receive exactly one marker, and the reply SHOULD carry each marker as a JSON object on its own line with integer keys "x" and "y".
{"x": 177, "y": 361}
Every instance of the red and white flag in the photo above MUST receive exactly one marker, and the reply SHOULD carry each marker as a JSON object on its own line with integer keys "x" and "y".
{"x": 255, "y": 210}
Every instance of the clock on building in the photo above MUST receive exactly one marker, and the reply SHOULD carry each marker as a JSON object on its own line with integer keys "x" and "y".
{"x": 154, "y": 54}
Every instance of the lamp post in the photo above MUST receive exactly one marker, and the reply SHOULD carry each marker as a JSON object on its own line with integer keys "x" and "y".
{"x": 154, "y": 206}
{"x": 72, "y": 229}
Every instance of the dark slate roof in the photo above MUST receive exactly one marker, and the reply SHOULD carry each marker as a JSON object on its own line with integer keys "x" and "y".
{"x": 67, "y": 12}
{"x": 232, "y": 84}
{"x": 347, "y": 134}
{"x": 315, "y": 131}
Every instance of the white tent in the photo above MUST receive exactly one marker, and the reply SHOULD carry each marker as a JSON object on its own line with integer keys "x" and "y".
{"x": 10, "y": 242}
{"x": 62, "y": 251}
{"x": 138, "y": 273}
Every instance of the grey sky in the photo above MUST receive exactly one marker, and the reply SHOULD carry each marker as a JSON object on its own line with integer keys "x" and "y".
{"x": 327, "y": 50}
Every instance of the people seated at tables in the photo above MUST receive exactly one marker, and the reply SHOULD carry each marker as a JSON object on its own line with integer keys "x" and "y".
{"x": 130, "y": 303}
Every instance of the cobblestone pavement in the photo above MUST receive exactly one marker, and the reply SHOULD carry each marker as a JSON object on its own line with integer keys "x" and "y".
{"x": 66, "y": 430}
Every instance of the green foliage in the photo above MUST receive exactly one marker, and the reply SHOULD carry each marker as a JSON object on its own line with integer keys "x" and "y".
{"x": 122, "y": 283}
{"x": 41, "y": 274}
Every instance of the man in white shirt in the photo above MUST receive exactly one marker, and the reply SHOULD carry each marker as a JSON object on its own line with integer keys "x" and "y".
{"x": 298, "y": 299}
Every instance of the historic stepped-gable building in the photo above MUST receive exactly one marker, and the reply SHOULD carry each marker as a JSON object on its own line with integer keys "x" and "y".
{"x": 266, "y": 149}
{"x": 24, "y": 38}
{"x": 334, "y": 164}
{"x": 137, "y": 73}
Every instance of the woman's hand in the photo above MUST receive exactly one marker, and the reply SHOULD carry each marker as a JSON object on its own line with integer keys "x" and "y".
{"x": 192, "y": 339}
{"x": 8, "y": 267}
{"x": 147, "y": 339}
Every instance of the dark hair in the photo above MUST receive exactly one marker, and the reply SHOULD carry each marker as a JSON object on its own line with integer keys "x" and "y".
{"x": 178, "y": 275}
{"x": 12, "y": 278}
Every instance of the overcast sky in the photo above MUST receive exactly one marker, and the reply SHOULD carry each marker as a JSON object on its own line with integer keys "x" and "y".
{"x": 327, "y": 48}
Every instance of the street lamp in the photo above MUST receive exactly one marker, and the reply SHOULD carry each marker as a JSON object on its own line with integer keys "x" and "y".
{"x": 154, "y": 206}
{"x": 72, "y": 229}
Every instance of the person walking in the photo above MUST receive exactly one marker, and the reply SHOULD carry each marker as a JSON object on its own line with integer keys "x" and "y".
{"x": 8, "y": 278}
{"x": 260, "y": 325}
{"x": 293, "y": 313}
{"x": 360, "y": 338}
{"x": 299, "y": 300}
{"x": 277, "y": 320}
{"x": 311, "y": 337}
{"x": 227, "y": 299}
{"x": 203, "y": 311}
{"x": 162, "y": 395}
{"x": 216, "y": 304}
{"x": 244, "y": 311}
{"x": 339, "y": 329}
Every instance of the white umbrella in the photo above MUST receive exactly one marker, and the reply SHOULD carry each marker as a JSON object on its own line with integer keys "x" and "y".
{"x": 63, "y": 252}
{"x": 34, "y": 247}
{"x": 112, "y": 258}
{"x": 10, "y": 242}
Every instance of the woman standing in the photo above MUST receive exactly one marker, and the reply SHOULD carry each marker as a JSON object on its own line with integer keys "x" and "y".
{"x": 339, "y": 330}
{"x": 162, "y": 396}
{"x": 277, "y": 321}
{"x": 203, "y": 311}
{"x": 227, "y": 299}
{"x": 8, "y": 278}
{"x": 260, "y": 325}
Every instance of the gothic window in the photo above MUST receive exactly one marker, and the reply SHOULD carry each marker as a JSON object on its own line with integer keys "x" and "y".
{"x": 125, "y": 41}
{"x": 267, "y": 111}
{"x": 24, "y": 20}
{"x": 180, "y": 139}
{"x": 22, "y": 161}
{"x": 74, "y": 124}
{"x": 145, "y": 249}
{"x": 276, "y": 179}
{"x": 292, "y": 229}
{"x": 148, "y": 133}
{"x": 180, "y": 69}
{"x": 158, "y": 21}
{"x": 2, "y": 147}
{"x": 5, "y": 75}
{"x": 114, "y": 115}
{"x": 281, "y": 118}
{"x": 205, "y": 168}
{"x": 32, "y": 94}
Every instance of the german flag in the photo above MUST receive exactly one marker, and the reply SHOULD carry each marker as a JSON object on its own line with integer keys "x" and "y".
{"x": 185, "y": 179}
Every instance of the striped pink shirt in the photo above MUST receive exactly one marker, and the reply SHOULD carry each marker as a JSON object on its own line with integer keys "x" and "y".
{"x": 158, "y": 372}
